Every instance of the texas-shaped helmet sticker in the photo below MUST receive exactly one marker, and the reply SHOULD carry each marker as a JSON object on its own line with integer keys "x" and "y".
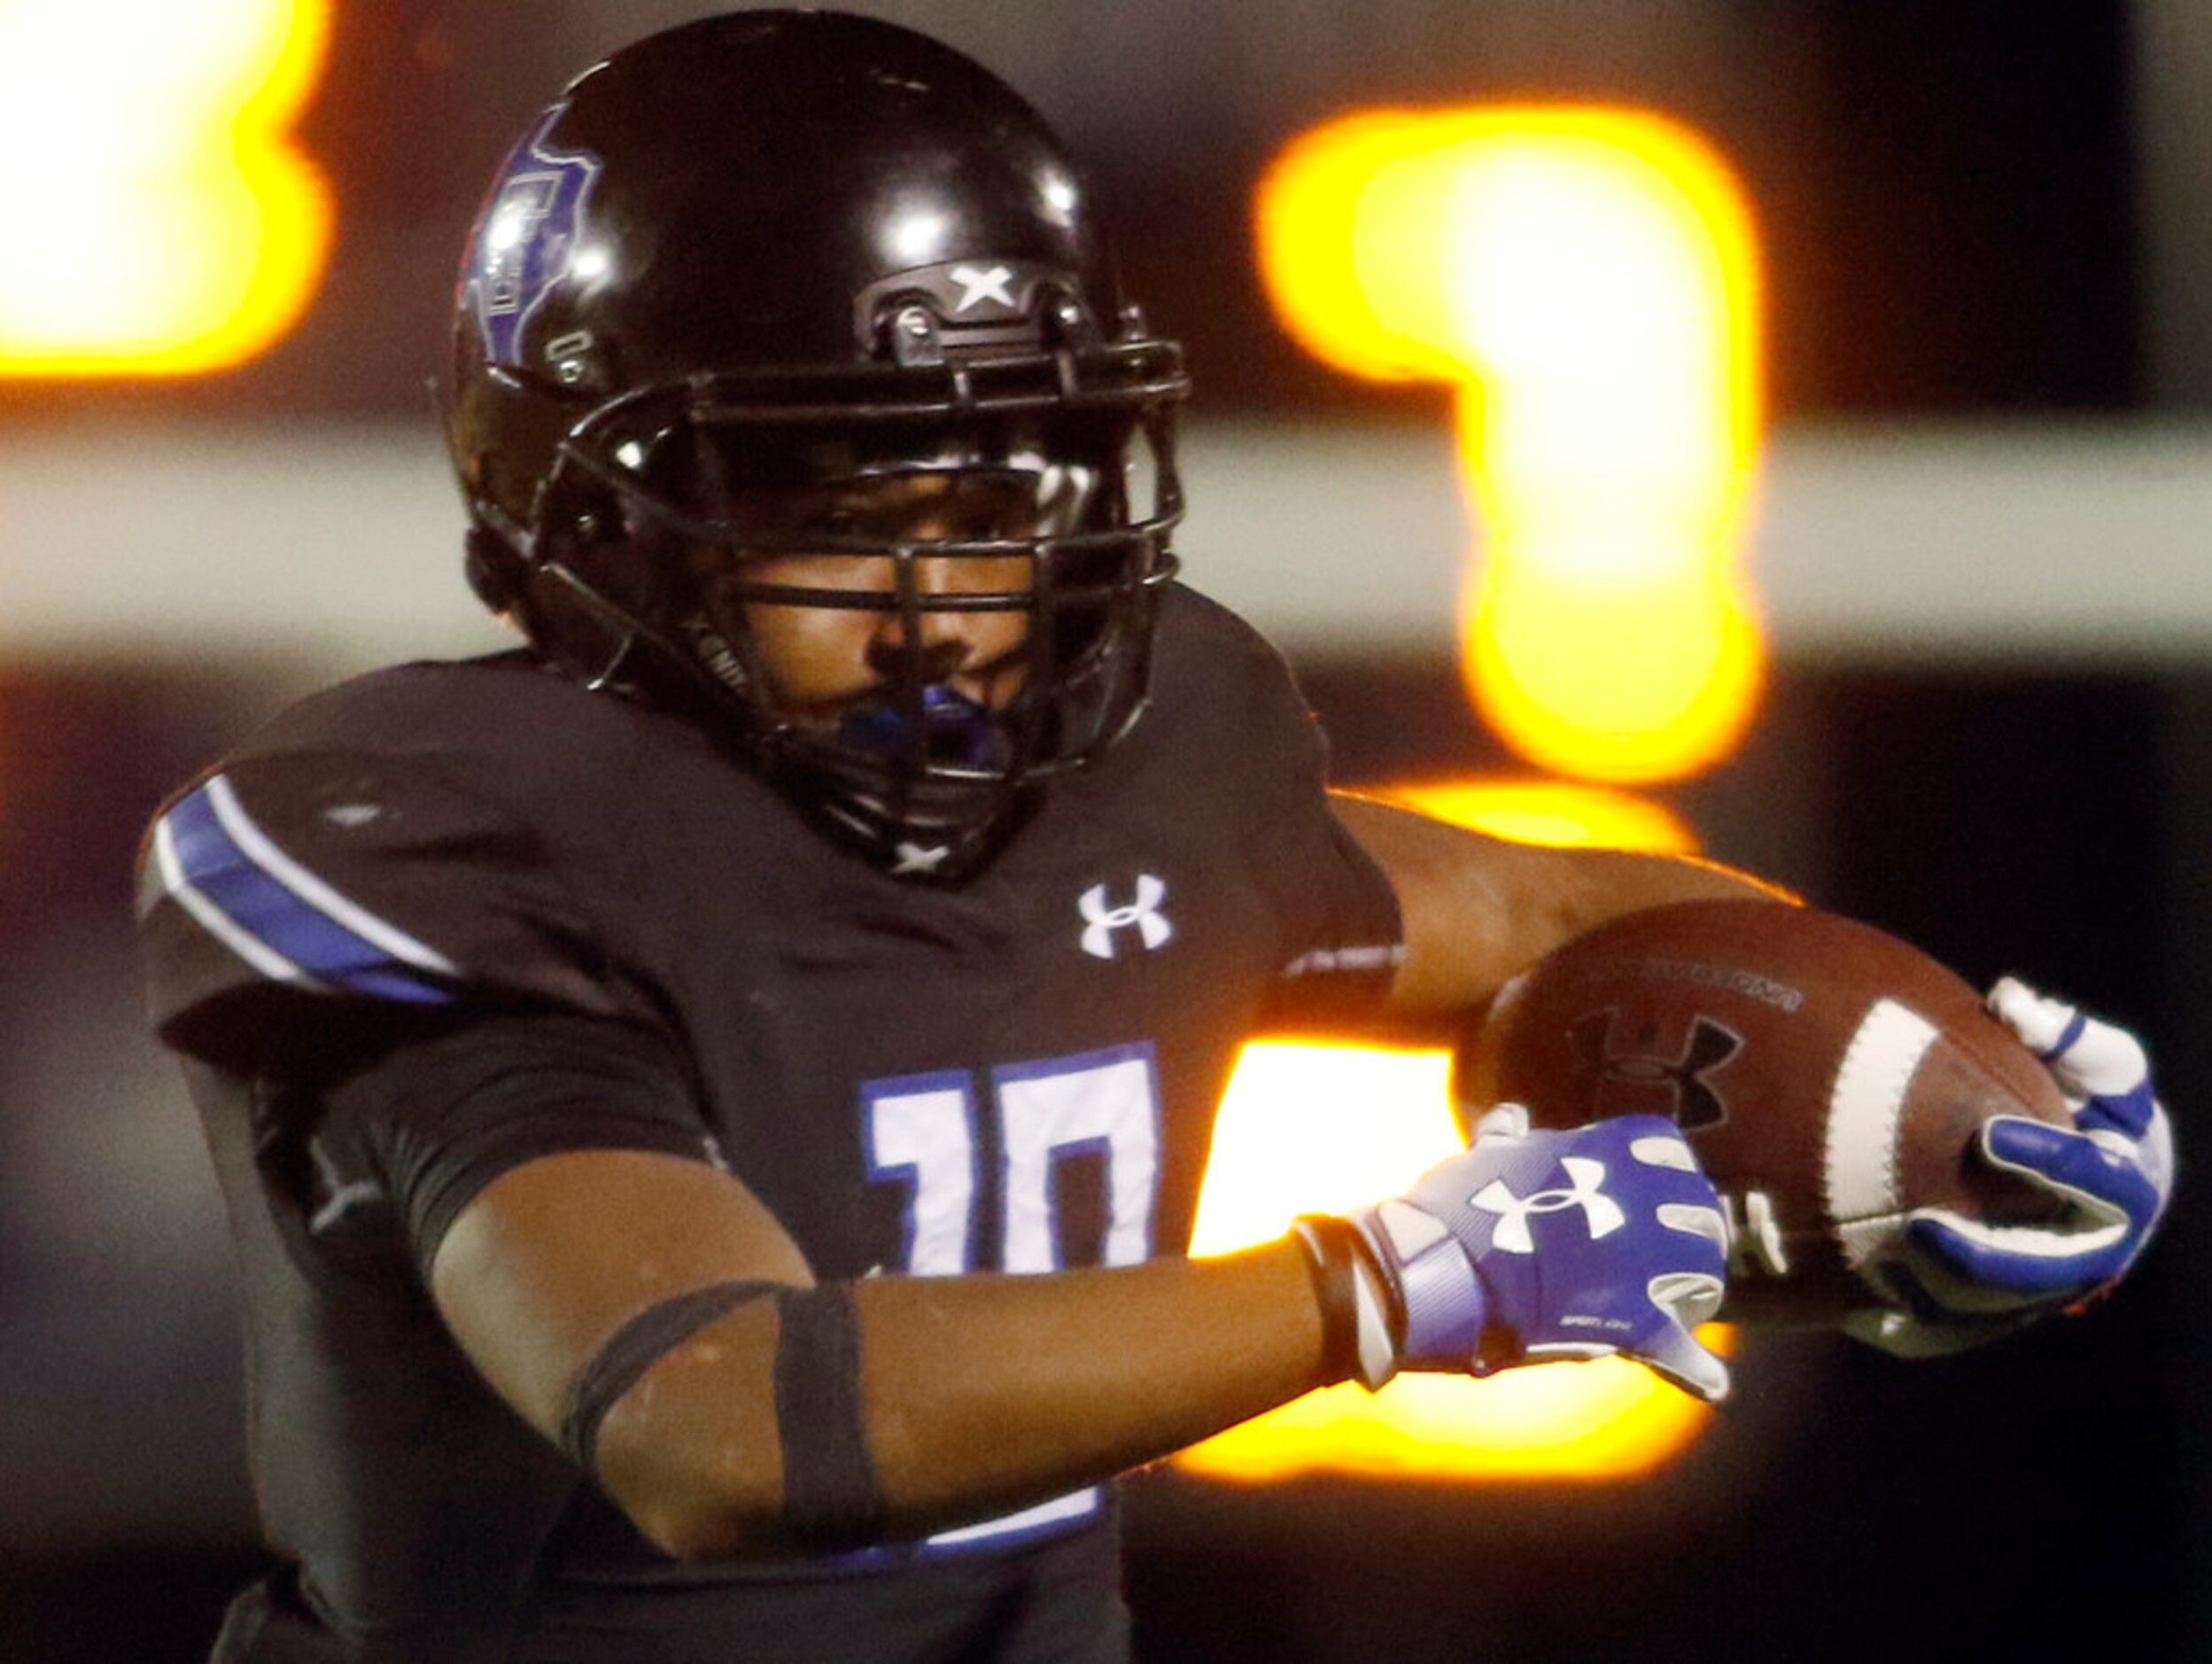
{"x": 529, "y": 239}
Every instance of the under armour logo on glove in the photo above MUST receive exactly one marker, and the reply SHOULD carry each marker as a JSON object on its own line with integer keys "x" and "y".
{"x": 1512, "y": 1236}
{"x": 1534, "y": 1245}
{"x": 1143, "y": 916}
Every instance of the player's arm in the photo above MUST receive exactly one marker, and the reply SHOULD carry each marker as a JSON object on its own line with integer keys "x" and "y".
{"x": 647, "y": 1313}
{"x": 975, "y": 1395}
{"x": 1476, "y": 910}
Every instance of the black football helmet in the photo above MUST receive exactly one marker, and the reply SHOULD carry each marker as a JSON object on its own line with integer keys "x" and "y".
{"x": 753, "y": 261}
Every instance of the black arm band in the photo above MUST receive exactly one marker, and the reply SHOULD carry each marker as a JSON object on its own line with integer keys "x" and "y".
{"x": 1332, "y": 1256}
{"x": 635, "y": 1348}
{"x": 831, "y": 1498}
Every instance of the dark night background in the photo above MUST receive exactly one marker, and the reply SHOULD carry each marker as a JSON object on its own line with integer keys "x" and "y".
{"x": 1949, "y": 197}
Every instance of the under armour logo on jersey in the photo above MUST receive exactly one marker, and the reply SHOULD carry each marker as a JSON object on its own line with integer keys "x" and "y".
{"x": 1600, "y": 1211}
{"x": 1143, "y": 914}
{"x": 978, "y": 285}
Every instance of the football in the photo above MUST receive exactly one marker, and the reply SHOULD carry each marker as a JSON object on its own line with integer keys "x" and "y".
{"x": 1830, "y": 1077}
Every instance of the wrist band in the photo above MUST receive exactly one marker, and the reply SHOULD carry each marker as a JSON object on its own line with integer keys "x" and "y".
{"x": 1328, "y": 1261}
{"x": 1359, "y": 1340}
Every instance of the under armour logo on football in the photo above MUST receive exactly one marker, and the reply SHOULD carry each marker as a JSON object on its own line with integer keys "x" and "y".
{"x": 1600, "y": 1211}
{"x": 1680, "y": 1088}
{"x": 978, "y": 285}
{"x": 1144, "y": 916}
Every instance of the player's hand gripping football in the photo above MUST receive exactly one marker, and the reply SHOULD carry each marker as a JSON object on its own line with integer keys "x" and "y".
{"x": 1970, "y": 1281}
{"x": 1530, "y": 1246}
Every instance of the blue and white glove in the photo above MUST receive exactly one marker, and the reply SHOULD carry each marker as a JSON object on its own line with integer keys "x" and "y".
{"x": 1967, "y": 1281}
{"x": 1530, "y": 1246}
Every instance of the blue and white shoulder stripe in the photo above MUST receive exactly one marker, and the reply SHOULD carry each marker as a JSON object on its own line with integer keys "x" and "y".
{"x": 230, "y": 876}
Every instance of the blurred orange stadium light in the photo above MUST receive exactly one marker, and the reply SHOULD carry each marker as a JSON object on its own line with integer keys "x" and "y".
{"x": 159, "y": 221}
{"x": 1587, "y": 279}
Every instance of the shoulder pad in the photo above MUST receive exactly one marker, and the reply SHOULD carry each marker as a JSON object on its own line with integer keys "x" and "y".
{"x": 1224, "y": 697}
{"x": 325, "y": 877}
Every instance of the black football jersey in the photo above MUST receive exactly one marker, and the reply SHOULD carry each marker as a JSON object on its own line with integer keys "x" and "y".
{"x": 445, "y": 917}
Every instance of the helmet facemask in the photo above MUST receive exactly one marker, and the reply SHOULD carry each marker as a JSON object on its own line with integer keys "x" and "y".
{"x": 745, "y": 528}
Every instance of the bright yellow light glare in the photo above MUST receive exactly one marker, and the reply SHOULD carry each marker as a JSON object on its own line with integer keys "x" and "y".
{"x": 1290, "y": 1152}
{"x": 158, "y": 221}
{"x": 1554, "y": 812}
{"x": 1308, "y": 1127}
{"x": 1334, "y": 298}
{"x": 1630, "y": 681}
{"x": 1588, "y": 279}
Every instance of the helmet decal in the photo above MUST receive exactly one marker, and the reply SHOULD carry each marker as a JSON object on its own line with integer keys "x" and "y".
{"x": 530, "y": 239}
{"x": 966, "y": 300}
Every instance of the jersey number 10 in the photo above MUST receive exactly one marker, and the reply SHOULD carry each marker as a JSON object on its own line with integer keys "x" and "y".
{"x": 922, "y": 1131}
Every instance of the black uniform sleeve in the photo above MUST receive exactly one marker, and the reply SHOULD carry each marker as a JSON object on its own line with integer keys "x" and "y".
{"x": 1341, "y": 933}
{"x": 294, "y": 907}
{"x": 427, "y": 1125}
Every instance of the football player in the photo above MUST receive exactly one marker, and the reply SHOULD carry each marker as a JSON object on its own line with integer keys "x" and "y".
{"x": 711, "y": 1103}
